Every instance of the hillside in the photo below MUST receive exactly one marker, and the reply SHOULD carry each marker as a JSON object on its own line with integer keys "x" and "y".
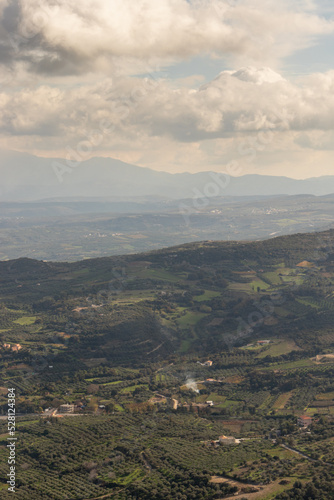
{"x": 246, "y": 326}
{"x": 200, "y": 293}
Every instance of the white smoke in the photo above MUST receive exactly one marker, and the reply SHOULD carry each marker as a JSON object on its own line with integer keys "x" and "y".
{"x": 191, "y": 384}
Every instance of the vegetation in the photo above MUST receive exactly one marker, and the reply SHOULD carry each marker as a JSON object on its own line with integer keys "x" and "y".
{"x": 122, "y": 337}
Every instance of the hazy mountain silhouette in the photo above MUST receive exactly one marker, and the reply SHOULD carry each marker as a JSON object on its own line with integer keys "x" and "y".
{"x": 26, "y": 177}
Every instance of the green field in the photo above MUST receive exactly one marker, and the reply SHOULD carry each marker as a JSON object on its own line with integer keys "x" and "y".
{"x": 190, "y": 319}
{"x": 213, "y": 396}
{"x": 207, "y": 295}
{"x": 282, "y": 400}
{"x": 308, "y": 302}
{"x": 160, "y": 274}
{"x": 132, "y": 388}
{"x": 250, "y": 287}
{"x": 273, "y": 277}
{"x": 258, "y": 283}
{"x": 278, "y": 348}
{"x": 113, "y": 383}
{"x": 302, "y": 363}
{"x": 25, "y": 320}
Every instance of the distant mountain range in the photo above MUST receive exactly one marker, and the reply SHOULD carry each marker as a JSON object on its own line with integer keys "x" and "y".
{"x": 26, "y": 177}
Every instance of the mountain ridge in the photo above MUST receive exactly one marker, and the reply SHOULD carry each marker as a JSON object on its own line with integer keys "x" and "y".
{"x": 31, "y": 178}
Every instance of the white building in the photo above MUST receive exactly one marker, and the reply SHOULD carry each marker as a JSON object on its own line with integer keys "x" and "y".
{"x": 226, "y": 440}
{"x": 66, "y": 408}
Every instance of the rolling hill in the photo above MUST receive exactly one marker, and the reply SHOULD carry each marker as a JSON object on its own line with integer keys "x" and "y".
{"x": 162, "y": 352}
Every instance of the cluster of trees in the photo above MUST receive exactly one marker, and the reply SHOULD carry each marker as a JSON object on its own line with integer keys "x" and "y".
{"x": 320, "y": 488}
{"x": 182, "y": 486}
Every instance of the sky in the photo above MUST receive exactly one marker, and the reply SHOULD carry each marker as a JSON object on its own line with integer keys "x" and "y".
{"x": 173, "y": 85}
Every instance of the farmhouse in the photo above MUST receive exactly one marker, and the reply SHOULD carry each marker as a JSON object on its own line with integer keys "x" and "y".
{"x": 323, "y": 357}
{"x": 304, "y": 421}
{"x": 16, "y": 347}
{"x": 227, "y": 440}
{"x": 66, "y": 408}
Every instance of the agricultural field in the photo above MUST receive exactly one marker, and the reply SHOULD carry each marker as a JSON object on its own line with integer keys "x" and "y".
{"x": 282, "y": 400}
{"x": 278, "y": 348}
{"x": 138, "y": 344}
{"x": 26, "y": 320}
{"x": 190, "y": 319}
{"x": 207, "y": 295}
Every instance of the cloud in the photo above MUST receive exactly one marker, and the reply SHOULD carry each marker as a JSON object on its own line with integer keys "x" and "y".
{"x": 68, "y": 38}
{"x": 316, "y": 140}
{"x": 67, "y": 80}
{"x": 249, "y": 100}
{"x": 246, "y": 101}
{"x": 256, "y": 75}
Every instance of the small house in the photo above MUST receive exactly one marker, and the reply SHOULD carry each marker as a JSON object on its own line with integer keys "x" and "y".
{"x": 304, "y": 421}
{"x": 16, "y": 347}
{"x": 227, "y": 440}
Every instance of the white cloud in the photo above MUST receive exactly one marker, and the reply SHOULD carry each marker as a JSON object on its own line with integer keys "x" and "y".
{"x": 132, "y": 115}
{"x": 62, "y": 37}
{"x": 244, "y": 101}
{"x": 257, "y": 75}
{"x": 65, "y": 69}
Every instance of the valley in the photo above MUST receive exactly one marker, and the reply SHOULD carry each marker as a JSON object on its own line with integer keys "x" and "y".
{"x": 75, "y": 230}
{"x": 160, "y": 353}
